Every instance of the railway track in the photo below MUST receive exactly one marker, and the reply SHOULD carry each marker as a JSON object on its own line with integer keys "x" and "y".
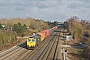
{"x": 14, "y": 53}
{"x": 11, "y": 49}
{"x": 47, "y": 50}
{"x": 26, "y": 56}
{"x": 40, "y": 52}
{"x": 8, "y": 51}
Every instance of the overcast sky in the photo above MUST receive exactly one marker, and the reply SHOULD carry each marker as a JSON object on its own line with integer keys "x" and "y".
{"x": 52, "y": 10}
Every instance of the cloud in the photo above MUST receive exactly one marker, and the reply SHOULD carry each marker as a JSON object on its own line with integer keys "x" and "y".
{"x": 75, "y": 5}
{"x": 85, "y": 1}
{"x": 59, "y": 10}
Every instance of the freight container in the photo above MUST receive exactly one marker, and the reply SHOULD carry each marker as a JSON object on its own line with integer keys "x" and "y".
{"x": 48, "y": 32}
{"x": 51, "y": 30}
{"x": 42, "y": 35}
{"x": 45, "y": 31}
{"x": 54, "y": 28}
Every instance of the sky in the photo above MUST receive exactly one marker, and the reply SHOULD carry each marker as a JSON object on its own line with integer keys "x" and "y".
{"x": 48, "y": 10}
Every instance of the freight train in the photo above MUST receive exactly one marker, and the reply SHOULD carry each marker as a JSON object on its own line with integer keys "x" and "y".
{"x": 34, "y": 40}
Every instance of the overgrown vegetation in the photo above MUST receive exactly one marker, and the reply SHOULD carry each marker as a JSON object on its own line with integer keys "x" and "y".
{"x": 80, "y": 29}
{"x": 14, "y": 27}
{"x": 7, "y": 36}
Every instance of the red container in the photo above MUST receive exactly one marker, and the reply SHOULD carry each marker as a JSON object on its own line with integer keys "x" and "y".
{"x": 48, "y": 32}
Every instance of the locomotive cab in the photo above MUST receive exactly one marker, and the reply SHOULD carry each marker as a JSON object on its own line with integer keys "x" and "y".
{"x": 31, "y": 43}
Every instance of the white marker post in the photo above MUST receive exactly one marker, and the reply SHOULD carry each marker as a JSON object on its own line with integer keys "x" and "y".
{"x": 64, "y": 53}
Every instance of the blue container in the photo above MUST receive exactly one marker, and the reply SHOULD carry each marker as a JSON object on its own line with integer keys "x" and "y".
{"x": 51, "y": 30}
